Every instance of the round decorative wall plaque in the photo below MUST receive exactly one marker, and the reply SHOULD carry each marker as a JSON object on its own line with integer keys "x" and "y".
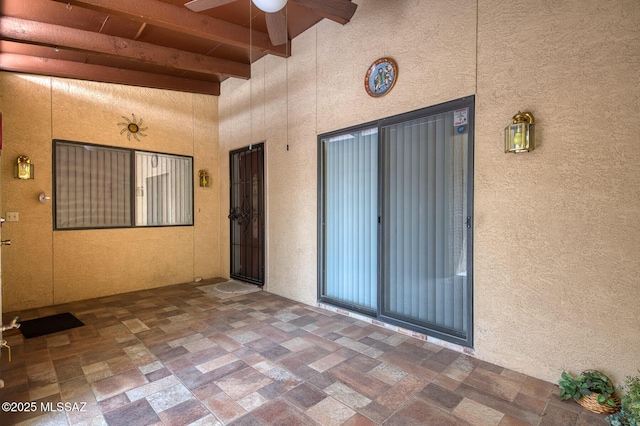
{"x": 380, "y": 77}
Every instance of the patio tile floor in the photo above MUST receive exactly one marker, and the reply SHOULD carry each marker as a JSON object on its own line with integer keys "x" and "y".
{"x": 179, "y": 356}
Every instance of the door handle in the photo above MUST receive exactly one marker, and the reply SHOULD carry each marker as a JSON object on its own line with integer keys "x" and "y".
{"x": 5, "y": 242}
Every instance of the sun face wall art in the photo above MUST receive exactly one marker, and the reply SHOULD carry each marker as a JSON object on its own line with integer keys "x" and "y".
{"x": 132, "y": 127}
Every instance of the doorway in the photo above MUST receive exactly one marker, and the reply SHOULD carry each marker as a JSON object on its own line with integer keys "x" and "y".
{"x": 395, "y": 208}
{"x": 246, "y": 214}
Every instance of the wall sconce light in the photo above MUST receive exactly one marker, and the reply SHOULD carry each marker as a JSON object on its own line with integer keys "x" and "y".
{"x": 204, "y": 178}
{"x": 23, "y": 168}
{"x": 519, "y": 135}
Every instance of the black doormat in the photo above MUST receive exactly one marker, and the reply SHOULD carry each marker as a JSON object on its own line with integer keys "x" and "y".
{"x": 47, "y": 325}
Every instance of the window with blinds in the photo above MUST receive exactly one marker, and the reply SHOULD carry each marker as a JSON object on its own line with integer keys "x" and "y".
{"x": 104, "y": 187}
{"x": 163, "y": 189}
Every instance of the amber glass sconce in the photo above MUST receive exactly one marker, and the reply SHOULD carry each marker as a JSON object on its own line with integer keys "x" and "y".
{"x": 23, "y": 168}
{"x": 519, "y": 135}
{"x": 204, "y": 178}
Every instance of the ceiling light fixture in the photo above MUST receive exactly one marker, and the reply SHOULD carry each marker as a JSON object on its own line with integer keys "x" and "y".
{"x": 270, "y": 6}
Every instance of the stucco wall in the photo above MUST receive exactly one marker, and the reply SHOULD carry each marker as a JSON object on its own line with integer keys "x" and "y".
{"x": 43, "y": 267}
{"x": 555, "y": 256}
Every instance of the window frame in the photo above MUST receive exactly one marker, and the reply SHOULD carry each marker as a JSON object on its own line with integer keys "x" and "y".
{"x": 132, "y": 185}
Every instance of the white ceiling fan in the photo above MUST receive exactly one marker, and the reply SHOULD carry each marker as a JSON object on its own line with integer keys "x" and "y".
{"x": 273, "y": 11}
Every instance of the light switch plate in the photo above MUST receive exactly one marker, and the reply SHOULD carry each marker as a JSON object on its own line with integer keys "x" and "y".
{"x": 12, "y": 216}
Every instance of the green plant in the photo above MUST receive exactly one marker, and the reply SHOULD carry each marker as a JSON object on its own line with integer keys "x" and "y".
{"x": 591, "y": 381}
{"x": 629, "y": 415}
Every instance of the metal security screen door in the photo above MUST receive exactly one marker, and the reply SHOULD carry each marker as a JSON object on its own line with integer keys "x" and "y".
{"x": 395, "y": 220}
{"x": 246, "y": 214}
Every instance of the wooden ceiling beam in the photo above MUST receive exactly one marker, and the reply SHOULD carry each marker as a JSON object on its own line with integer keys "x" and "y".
{"x": 340, "y": 11}
{"x": 183, "y": 20}
{"x": 68, "y": 69}
{"x": 71, "y": 38}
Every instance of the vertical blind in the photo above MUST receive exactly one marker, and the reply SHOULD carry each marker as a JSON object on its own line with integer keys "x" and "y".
{"x": 424, "y": 221}
{"x": 164, "y": 194}
{"x": 395, "y": 203}
{"x": 351, "y": 217}
{"x": 93, "y": 186}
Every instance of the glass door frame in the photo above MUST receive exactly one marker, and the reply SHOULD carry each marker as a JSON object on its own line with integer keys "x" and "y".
{"x": 428, "y": 329}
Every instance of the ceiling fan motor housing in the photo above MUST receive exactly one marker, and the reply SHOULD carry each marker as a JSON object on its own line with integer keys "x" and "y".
{"x": 270, "y": 6}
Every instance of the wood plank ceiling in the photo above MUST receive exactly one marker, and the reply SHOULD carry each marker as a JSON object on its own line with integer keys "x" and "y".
{"x": 149, "y": 43}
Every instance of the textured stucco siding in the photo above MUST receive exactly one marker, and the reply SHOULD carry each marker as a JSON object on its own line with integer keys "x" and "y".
{"x": 556, "y": 241}
{"x": 43, "y": 267}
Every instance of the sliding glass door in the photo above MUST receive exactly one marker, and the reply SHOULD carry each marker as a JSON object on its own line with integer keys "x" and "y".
{"x": 351, "y": 219}
{"x": 395, "y": 220}
{"x": 424, "y": 221}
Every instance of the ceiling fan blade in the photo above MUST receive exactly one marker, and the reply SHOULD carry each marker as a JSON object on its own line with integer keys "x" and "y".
{"x": 277, "y": 27}
{"x": 200, "y": 5}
